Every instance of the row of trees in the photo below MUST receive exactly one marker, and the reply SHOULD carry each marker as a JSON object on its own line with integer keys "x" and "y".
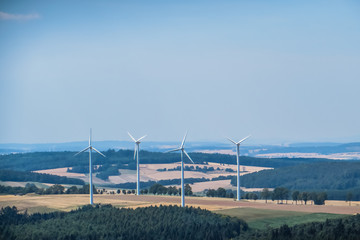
{"x": 172, "y": 190}
{"x": 220, "y": 192}
{"x": 54, "y": 189}
{"x": 317, "y": 198}
{"x": 280, "y": 194}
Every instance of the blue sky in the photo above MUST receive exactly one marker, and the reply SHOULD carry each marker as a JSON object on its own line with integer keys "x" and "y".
{"x": 284, "y": 71}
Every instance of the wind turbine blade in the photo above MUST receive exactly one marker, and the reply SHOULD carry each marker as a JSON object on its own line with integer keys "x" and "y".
{"x": 82, "y": 151}
{"x": 141, "y": 138}
{"x": 231, "y": 140}
{"x": 174, "y": 150}
{"x": 98, "y": 152}
{"x": 132, "y": 137}
{"x": 183, "y": 141}
{"x": 188, "y": 156}
{"x": 243, "y": 139}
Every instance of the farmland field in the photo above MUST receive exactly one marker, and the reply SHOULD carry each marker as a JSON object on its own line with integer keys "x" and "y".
{"x": 149, "y": 172}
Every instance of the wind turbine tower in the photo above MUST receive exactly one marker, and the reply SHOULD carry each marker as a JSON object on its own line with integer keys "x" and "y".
{"x": 136, "y": 156}
{"x": 238, "y": 163}
{"x": 90, "y": 148}
{"x": 182, "y": 152}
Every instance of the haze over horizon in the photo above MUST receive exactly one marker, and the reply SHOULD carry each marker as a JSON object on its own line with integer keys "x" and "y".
{"x": 281, "y": 71}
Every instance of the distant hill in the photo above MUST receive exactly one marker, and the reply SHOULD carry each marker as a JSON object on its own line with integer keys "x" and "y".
{"x": 123, "y": 159}
{"x": 247, "y": 150}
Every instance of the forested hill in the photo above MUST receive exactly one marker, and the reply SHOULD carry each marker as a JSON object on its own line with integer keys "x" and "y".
{"x": 124, "y": 159}
{"x": 106, "y": 222}
{"x": 335, "y": 175}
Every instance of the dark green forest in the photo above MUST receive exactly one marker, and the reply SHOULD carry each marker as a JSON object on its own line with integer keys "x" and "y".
{"x": 107, "y": 222}
{"x": 337, "y": 178}
{"x": 22, "y": 176}
{"x": 347, "y": 228}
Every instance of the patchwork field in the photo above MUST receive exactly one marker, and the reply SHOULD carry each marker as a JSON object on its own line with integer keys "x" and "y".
{"x": 149, "y": 172}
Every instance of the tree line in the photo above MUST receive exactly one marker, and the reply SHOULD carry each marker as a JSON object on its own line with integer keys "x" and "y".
{"x": 22, "y": 176}
{"x": 220, "y": 192}
{"x": 159, "y": 189}
{"x": 281, "y": 194}
{"x": 54, "y": 189}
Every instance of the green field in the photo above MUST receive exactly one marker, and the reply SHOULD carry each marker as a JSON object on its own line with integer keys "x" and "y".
{"x": 263, "y": 218}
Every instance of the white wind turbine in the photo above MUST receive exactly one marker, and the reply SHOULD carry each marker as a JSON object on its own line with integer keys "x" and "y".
{"x": 182, "y": 149}
{"x": 136, "y": 157}
{"x": 238, "y": 164}
{"x": 90, "y": 148}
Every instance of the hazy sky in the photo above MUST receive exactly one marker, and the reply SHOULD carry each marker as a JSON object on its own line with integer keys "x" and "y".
{"x": 280, "y": 70}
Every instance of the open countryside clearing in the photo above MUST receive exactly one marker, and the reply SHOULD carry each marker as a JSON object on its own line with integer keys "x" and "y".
{"x": 149, "y": 172}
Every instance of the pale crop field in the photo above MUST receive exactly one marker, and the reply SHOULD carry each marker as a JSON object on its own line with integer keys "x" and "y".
{"x": 149, "y": 172}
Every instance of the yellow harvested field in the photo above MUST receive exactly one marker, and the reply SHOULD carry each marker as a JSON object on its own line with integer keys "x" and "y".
{"x": 342, "y": 203}
{"x": 201, "y": 186}
{"x": 34, "y": 203}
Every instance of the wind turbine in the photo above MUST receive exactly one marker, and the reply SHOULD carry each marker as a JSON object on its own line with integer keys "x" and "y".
{"x": 90, "y": 148}
{"x": 182, "y": 149}
{"x": 238, "y": 164}
{"x": 136, "y": 156}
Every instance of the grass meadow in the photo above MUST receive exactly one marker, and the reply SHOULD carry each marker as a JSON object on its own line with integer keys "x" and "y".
{"x": 265, "y": 218}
